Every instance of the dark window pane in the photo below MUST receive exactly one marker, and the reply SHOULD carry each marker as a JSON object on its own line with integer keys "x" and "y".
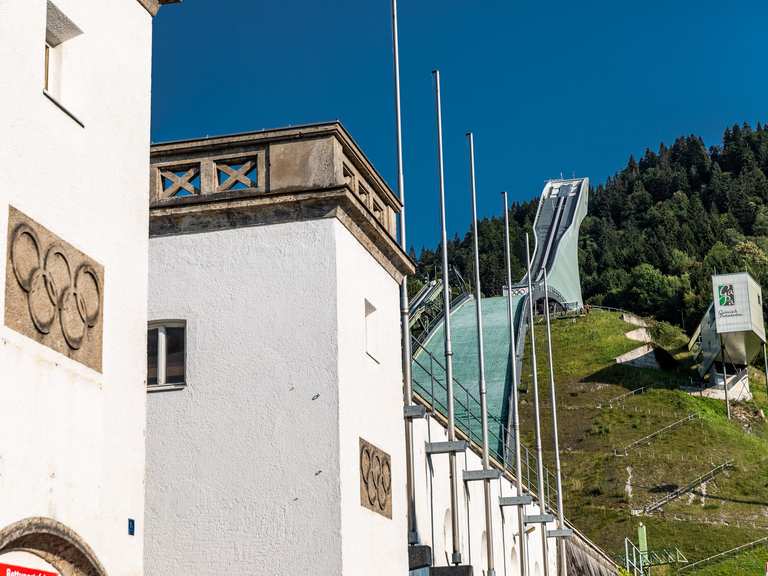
{"x": 152, "y": 356}
{"x": 174, "y": 367}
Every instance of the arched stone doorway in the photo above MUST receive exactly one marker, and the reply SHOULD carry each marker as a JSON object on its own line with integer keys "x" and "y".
{"x": 58, "y": 545}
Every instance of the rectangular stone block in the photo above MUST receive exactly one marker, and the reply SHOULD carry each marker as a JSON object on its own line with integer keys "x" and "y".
{"x": 54, "y": 294}
{"x": 375, "y": 479}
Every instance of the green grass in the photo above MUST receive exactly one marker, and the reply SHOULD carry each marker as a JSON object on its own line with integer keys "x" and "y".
{"x": 731, "y": 511}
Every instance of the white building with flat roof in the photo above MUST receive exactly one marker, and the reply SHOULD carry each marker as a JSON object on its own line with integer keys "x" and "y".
{"x": 73, "y": 213}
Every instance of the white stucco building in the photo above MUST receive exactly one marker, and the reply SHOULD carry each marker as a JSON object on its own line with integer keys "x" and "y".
{"x": 275, "y": 437}
{"x": 272, "y": 255}
{"x": 73, "y": 213}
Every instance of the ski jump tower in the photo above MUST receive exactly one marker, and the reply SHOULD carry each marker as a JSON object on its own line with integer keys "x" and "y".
{"x": 562, "y": 208}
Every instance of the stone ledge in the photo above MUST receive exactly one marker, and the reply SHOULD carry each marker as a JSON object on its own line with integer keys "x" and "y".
{"x": 265, "y": 209}
{"x": 152, "y": 6}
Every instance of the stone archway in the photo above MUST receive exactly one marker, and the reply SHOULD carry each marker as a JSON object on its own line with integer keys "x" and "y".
{"x": 58, "y": 545}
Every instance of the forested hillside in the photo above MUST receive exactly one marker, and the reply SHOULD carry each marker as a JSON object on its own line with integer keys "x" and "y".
{"x": 655, "y": 231}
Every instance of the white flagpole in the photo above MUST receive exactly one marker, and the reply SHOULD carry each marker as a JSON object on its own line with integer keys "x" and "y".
{"x": 456, "y": 556}
{"x": 413, "y": 532}
{"x": 539, "y": 455}
{"x": 558, "y": 474}
{"x": 481, "y": 363}
{"x": 515, "y": 407}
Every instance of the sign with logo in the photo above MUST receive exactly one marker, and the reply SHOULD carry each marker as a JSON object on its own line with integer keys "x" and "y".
{"x": 732, "y": 302}
{"x": 10, "y": 570}
{"x": 726, "y": 295}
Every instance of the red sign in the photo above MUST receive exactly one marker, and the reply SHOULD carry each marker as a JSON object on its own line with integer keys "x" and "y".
{"x": 9, "y": 570}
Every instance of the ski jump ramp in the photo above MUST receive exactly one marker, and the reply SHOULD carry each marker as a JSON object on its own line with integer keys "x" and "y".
{"x": 562, "y": 207}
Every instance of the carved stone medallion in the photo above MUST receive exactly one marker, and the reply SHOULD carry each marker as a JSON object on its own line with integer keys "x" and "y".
{"x": 53, "y": 292}
{"x": 375, "y": 479}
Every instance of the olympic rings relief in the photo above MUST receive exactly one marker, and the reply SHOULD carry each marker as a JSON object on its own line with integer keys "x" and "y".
{"x": 375, "y": 479}
{"x": 60, "y": 289}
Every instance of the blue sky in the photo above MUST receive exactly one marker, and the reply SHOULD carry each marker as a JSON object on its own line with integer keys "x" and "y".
{"x": 547, "y": 87}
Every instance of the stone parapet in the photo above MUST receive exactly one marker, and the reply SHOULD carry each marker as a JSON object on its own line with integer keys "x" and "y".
{"x": 275, "y": 176}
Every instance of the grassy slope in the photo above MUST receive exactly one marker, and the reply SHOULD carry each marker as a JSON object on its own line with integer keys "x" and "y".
{"x": 732, "y": 510}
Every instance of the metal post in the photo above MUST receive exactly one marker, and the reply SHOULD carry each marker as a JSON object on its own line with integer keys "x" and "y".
{"x": 765, "y": 359}
{"x": 405, "y": 322}
{"x": 558, "y": 474}
{"x": 539, "y": 455}
{"x": 725, "y": 379}
{"x": 481, "y": 362}
{"x": 456, "y": 556}
{"x": 514, "y": 402}
{"x": 626, "y": 553}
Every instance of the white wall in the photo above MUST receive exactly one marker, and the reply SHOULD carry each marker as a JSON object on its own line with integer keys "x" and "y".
{"x": 242, "y": 465}
{"x": 433, "y": 506}
{"x": 254, "y": 467}
{"x": 370, "y": 406}
{"x": 72, "y": 447}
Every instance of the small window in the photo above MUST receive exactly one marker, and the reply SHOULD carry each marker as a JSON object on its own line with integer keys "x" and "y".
{"x": 59, "y": 30}
{"x": 166, "y": 354}
{"x": 371, "y": 331}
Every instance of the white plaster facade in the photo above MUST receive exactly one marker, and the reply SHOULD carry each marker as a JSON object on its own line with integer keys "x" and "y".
{"x": 253, "y": 467}
{"x": 72, "y": 448}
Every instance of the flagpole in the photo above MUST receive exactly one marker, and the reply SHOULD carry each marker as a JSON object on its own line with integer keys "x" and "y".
{"x": 539, "y": 455}
{"x": 558, "y": 475}
{"x": 516, "y": 413}
{"x": 405, "y": 323}
{"x": 456, "y": 544}
{"x": 481, "y": 363}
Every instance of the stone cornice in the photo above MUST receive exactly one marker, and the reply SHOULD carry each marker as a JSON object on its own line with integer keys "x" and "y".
{"x": 239, "y": 210}
{"x": 152, "y": 6}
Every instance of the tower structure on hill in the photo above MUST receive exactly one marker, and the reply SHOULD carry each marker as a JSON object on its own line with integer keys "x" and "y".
{"x": 732, "y": 332}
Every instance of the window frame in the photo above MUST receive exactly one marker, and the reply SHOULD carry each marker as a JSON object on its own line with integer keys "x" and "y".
{"x": 371, "y": 338}
{"x": 59, "y": 30}
{"x": 162, "y": 355}
{"x": 46, "y": 77}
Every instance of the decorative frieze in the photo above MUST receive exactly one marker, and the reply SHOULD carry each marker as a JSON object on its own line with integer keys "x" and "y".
{"x": 375, "y": 479}
{"x": 53, "y": 292}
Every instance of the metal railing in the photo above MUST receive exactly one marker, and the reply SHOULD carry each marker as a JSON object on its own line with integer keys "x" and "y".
{"x": 721, "y": 555}
{"x": 622, "y": 397}
{"x": 688, "y": 487}
{"x": 649, "y": 438}
{"x": 638, "y": 562}
{"x": 429, "y": 384}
